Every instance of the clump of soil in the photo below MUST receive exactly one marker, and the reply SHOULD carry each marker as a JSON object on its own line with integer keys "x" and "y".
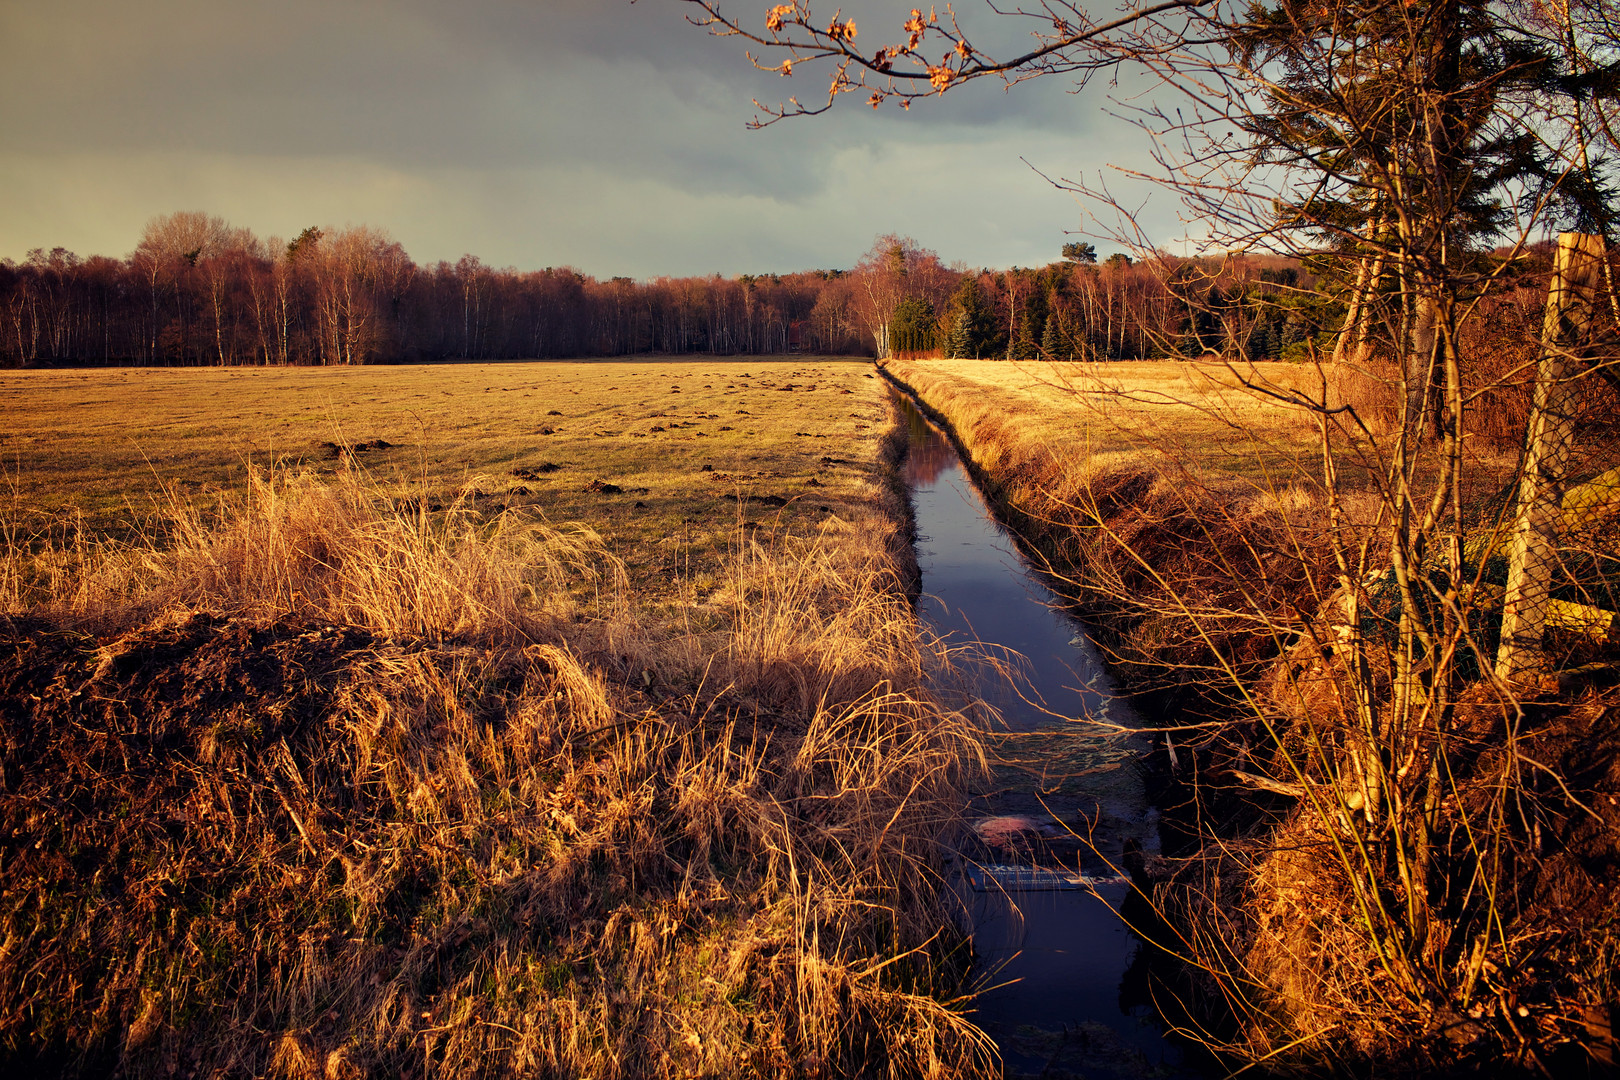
{"x": 342, "y": 450}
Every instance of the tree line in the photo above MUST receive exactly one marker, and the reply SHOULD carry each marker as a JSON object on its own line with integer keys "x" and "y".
{"x": 1160, "y": 305}
{"x": 198, "y": 291}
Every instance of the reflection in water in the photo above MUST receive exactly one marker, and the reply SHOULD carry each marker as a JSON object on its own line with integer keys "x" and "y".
{"x": 1072, "y": 999}
{"x": 977, "y": 588}
{"x": 928, "y": 454}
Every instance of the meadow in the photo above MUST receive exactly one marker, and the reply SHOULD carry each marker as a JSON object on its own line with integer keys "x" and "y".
{"x": 1238, "y": 425}
{"x": 573, "y": 718}
{"x": 665, "y": 459}
{"x": 564, "y": 717}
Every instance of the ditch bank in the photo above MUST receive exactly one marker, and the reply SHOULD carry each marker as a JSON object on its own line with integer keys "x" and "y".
{"x": 1291, "y": 963}
{"x": 1130, "y": 549}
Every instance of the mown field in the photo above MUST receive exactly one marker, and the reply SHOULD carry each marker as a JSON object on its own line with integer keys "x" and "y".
{"x": 682, "y": 441}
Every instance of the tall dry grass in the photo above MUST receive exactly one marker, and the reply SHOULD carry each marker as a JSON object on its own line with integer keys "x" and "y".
{"x": 334, "y": 787}
{"x": 295, "y": 545}
{"x": 1148, "y": 540}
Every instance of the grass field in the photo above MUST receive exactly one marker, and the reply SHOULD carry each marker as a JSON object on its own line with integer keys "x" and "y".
{"x": 580, "y": 730}
{"x": 1198, "y": 414}
{"x": 332, "y": 746}
{"x": 1229, "y": 429}
{"x": 680, "y": 439}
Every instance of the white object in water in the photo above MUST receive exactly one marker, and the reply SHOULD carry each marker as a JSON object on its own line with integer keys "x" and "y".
{"x": 997, "y": 877}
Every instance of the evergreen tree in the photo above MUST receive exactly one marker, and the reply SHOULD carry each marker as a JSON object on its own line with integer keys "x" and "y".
{"x": 1080, "y": 252}
{"x": 1054, "y": 345}
{"x": 913, "y": 327}
{"x": 959, "y": 344}
{"x": 972, "y": 331}
{"x": 1032, "y": 324}
{"x": 1258, "y": 347}
{"x": 1022, "y": 345}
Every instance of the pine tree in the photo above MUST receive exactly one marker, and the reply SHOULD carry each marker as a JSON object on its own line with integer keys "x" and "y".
{"x": 959, "y": 343}
{"x": 912, "y": 327}
{"x": 1053, "y": 345}
{"x": 1259, "y": 345}
{"x": 1022, "y": 346}
{"x": 972, "y": 336}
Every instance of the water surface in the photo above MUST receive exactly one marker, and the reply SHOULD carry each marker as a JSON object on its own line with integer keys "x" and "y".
{"x": 1072, "y": 997}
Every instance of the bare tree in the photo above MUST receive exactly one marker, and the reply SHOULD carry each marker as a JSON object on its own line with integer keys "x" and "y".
{"x": 894, "y": 269}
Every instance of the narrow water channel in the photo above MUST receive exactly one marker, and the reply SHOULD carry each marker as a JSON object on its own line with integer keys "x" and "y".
{"x": 1069, "y": 993}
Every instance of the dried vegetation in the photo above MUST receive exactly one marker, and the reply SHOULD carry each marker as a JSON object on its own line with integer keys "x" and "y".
{"x": 322, "y": 784}
{"x": 1329, "y": 917}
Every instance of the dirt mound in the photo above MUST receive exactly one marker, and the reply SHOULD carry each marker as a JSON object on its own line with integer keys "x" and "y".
{"x": 342, "y": 450}
{"x": 216, "y": 799}
{"x": 763, "y": 500}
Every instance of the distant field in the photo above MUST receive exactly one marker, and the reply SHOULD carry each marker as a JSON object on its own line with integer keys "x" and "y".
{"x": 676, "y": 436}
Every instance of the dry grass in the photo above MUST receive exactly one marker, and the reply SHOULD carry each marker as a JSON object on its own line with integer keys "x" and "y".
{"x": 1197, "y": 415}
{"x": 1230, "y": 425}
{"x": 1186, "y": 501}
{"x": 338, "y": 785}
{"x": 83, "y": 449}
{"x": 1146, "y": 488}
{"x": 1376, "y": 877}
{"x": 294, "y": 545}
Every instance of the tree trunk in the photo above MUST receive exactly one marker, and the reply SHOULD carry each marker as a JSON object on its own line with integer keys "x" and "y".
{"x": 1420, "y": 352}
{"x": 1533, "y": 551}
{"x": 1354, "y": 339}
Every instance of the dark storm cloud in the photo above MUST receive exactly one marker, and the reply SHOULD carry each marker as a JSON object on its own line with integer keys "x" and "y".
{"x": 465, "y": 115}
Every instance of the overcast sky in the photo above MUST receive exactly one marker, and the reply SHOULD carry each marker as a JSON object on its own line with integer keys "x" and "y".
{"x": 598, "y": 134}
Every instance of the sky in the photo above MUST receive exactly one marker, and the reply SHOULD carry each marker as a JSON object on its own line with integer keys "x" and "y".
{"x": 605, "y": 135}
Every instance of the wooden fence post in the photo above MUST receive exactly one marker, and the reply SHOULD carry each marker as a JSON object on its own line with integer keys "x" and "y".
{"x": 1533, "y": 550}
